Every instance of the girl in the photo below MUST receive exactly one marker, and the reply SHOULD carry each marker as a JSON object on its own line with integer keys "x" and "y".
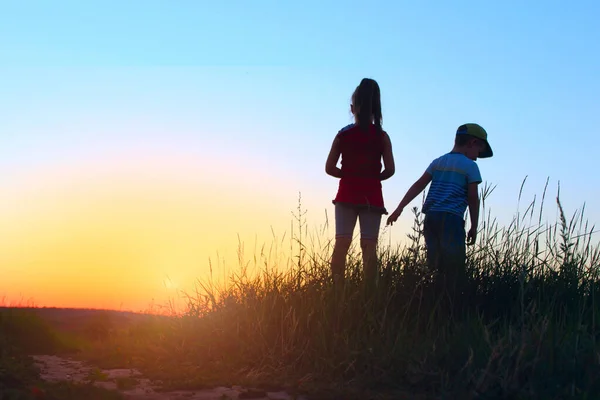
{"x": 362, "y": 145}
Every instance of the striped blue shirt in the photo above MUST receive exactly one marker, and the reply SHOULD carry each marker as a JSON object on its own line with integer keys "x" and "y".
{"x": 451, "y": 173}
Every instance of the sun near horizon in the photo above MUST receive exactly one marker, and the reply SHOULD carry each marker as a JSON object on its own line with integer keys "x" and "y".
{"x": 128, "y": 231}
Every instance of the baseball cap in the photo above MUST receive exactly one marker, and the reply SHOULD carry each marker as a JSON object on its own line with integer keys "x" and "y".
{"x": 478, "y": 132}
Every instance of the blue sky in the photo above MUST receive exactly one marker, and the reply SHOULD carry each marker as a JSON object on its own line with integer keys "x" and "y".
{"x": 266, "y": 84}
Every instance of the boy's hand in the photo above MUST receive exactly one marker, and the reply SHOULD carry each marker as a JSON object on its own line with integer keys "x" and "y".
{"x": 392, "y": 218}
{"x": 472, "y": 236}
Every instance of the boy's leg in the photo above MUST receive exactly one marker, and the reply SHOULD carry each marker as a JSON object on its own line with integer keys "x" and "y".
{"x": 431, "y": 228}
{"x": 345, "y": 221}
{"x": 454, "y": 254}
{"x": 431, "y": 233}
{"x": 370, "y": 222}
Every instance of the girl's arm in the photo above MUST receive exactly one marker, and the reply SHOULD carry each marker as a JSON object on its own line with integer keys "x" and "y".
{"x": 388, "y": 159}
{"x": 331, "y": 167}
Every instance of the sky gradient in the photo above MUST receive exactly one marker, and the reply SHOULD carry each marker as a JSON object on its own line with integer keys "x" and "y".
{"x": 140, "y": 139}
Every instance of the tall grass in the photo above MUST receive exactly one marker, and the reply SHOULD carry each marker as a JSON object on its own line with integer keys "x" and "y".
{"x": 529, "y": 330}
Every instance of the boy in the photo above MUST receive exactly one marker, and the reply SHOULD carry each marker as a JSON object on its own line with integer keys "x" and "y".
{"x": 455, "y": 178}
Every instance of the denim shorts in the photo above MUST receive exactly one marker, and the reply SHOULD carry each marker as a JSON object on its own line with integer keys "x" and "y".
{"x": 445, "y": 242}
{"x": 345, "y": 221}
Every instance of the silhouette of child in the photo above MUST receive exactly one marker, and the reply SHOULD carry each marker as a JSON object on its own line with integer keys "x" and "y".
{"x": 361, "y": 145}
{"x": 454, "y": 181}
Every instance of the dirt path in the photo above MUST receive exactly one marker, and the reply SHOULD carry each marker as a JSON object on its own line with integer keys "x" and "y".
{"x": 132, "y": 384}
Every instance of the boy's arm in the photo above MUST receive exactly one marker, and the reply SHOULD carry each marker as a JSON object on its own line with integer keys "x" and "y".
{"x": 473, "y": 201}
{"x": 388, "y": 159}
{"x": 410, "y": 195}
{"x": 331, "y": 167}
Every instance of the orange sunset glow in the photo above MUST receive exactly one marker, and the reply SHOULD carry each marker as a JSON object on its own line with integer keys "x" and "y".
{"x": 295, "y": 200}
{"x": 126, "y": 231}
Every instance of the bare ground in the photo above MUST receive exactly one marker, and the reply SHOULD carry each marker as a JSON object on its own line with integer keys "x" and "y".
{"x": 132, "y": 384}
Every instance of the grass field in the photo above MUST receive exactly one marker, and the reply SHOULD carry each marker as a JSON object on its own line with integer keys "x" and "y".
{"x": 529, "y": 330}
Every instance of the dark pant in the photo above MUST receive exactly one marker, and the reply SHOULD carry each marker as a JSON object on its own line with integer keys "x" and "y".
{"x": 445, "y": 241}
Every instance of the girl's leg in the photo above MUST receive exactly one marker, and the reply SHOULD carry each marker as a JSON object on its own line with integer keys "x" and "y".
{"x": 345, "y": 221}
{"x": 370, "y": 222}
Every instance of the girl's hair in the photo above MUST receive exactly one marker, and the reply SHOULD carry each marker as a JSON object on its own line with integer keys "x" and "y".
{"x": 366, "y": 101}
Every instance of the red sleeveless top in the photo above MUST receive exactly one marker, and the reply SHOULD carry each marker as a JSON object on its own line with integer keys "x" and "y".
{"x": 361, "y": 152}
